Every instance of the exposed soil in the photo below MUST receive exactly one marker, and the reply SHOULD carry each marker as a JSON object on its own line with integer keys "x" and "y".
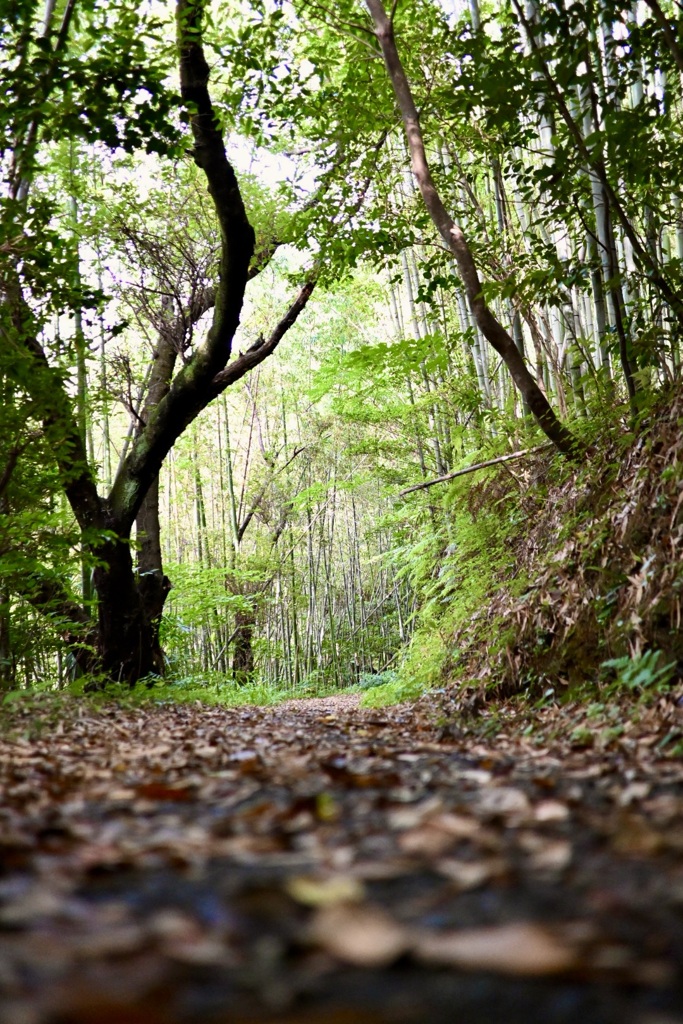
{"x": 334, "y": 704}
{"x": 318, "y": 862}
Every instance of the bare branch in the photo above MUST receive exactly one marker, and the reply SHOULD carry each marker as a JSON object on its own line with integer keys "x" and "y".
{"x": 256, "y": 503}
{"x": 473, "y": 469}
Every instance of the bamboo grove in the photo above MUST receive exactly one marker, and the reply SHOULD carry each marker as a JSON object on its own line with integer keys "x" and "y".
{"x": 274, "y": 544}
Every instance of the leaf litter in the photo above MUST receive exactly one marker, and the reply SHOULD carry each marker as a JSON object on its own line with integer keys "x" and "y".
{"x": 314, "y": 862}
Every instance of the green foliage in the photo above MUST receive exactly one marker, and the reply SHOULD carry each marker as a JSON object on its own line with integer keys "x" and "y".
{"x": 201, "y": 592}
{"x": 645, "y": 673}
{"x": 370, "y": 680}
{"x": 362, "y": 366}
{"x": 211, "y": 688}
{"x": 454, "y": 568}
{"x": 422, "y": 670}
{"x": 102, "y": 77}
{"x": 205, "y": 688}
{"x": 374, "y": 404}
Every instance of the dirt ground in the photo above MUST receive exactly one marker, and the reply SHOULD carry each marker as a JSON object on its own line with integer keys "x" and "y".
{"x": 318, "y": 862}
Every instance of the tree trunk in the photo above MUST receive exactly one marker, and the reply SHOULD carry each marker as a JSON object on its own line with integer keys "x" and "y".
{"x": 125, "y": 635}
{"x": 242, "y": 651}
{"x": 7, "y": 663}
{"x": 153, "y": 584}
{"x": 128, "y": 607}
{"x": 454, "y": 238}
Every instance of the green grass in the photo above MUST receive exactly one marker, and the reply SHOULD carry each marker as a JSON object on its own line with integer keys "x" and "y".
{"x": 210, "y": 688}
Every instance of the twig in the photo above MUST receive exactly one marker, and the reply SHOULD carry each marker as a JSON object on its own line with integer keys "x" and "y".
{"x": 472, "y": 469}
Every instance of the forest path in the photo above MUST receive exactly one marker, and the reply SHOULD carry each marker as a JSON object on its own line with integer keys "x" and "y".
{"x": 318, "y": 862}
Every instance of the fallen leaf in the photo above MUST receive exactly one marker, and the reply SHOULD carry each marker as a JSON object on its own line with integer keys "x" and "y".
{"x": 323, "y": 892}
{"x": 551, "y": 810}
{"x": 504, "y": 801}
{"x": 426, "y": 841}
{"x": 362, "y": 935}
{"x": 469, "y": 874}
{"x": 159, "y": 791}
{"x": 39, "y": 901}
{"x": 546, "y": 854}
{"x": 518, "y": 949}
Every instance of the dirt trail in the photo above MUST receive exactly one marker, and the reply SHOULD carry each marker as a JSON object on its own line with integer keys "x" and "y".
{"x": 336, "y": 704}
{"x": 317, "y": 862}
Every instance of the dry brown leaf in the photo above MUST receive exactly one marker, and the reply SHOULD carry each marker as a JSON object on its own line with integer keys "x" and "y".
{"x": 41, "y": 900}
{"x": 402, "y": 818}
{"x": 152, "y": 791}
{"x": 519, "y": 949}
{"x": 547, "y": 854}
{"x": 470, "y": 874}
{"x": 505, "y": 801}
{"x": 426, "y": 841}
{"x": 362, "y": 935}
{"x": 551, "y": 810}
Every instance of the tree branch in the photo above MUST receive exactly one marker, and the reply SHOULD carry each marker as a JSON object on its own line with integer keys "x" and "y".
{"x": 256, "y": 503}
{"x": 47, "y": 594}
{"x": 262, "y": 349}
{"x": 667, "y": 32}
{"x": 10, "y": 466}
{"x": 473, "y": 469}
{"x": 237, "y": 234}
{"x": 346, "y": 28}
{"x": 15, "y": 452}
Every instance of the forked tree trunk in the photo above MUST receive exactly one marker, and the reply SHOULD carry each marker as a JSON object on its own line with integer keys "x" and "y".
{"x": 126, "y": 634}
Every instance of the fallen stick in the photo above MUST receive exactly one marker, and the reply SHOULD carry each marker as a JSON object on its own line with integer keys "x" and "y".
{"x": 472, "y": 469}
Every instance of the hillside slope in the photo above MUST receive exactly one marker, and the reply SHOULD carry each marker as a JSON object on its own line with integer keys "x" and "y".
{"x": 592, "y": 588}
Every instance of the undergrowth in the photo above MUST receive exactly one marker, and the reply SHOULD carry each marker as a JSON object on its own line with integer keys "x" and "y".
{"x": 208, "y": 688}
{"x": 538, "y": 578}
{"x": 456, "y": 567}
{"x": 557, "y": 580}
